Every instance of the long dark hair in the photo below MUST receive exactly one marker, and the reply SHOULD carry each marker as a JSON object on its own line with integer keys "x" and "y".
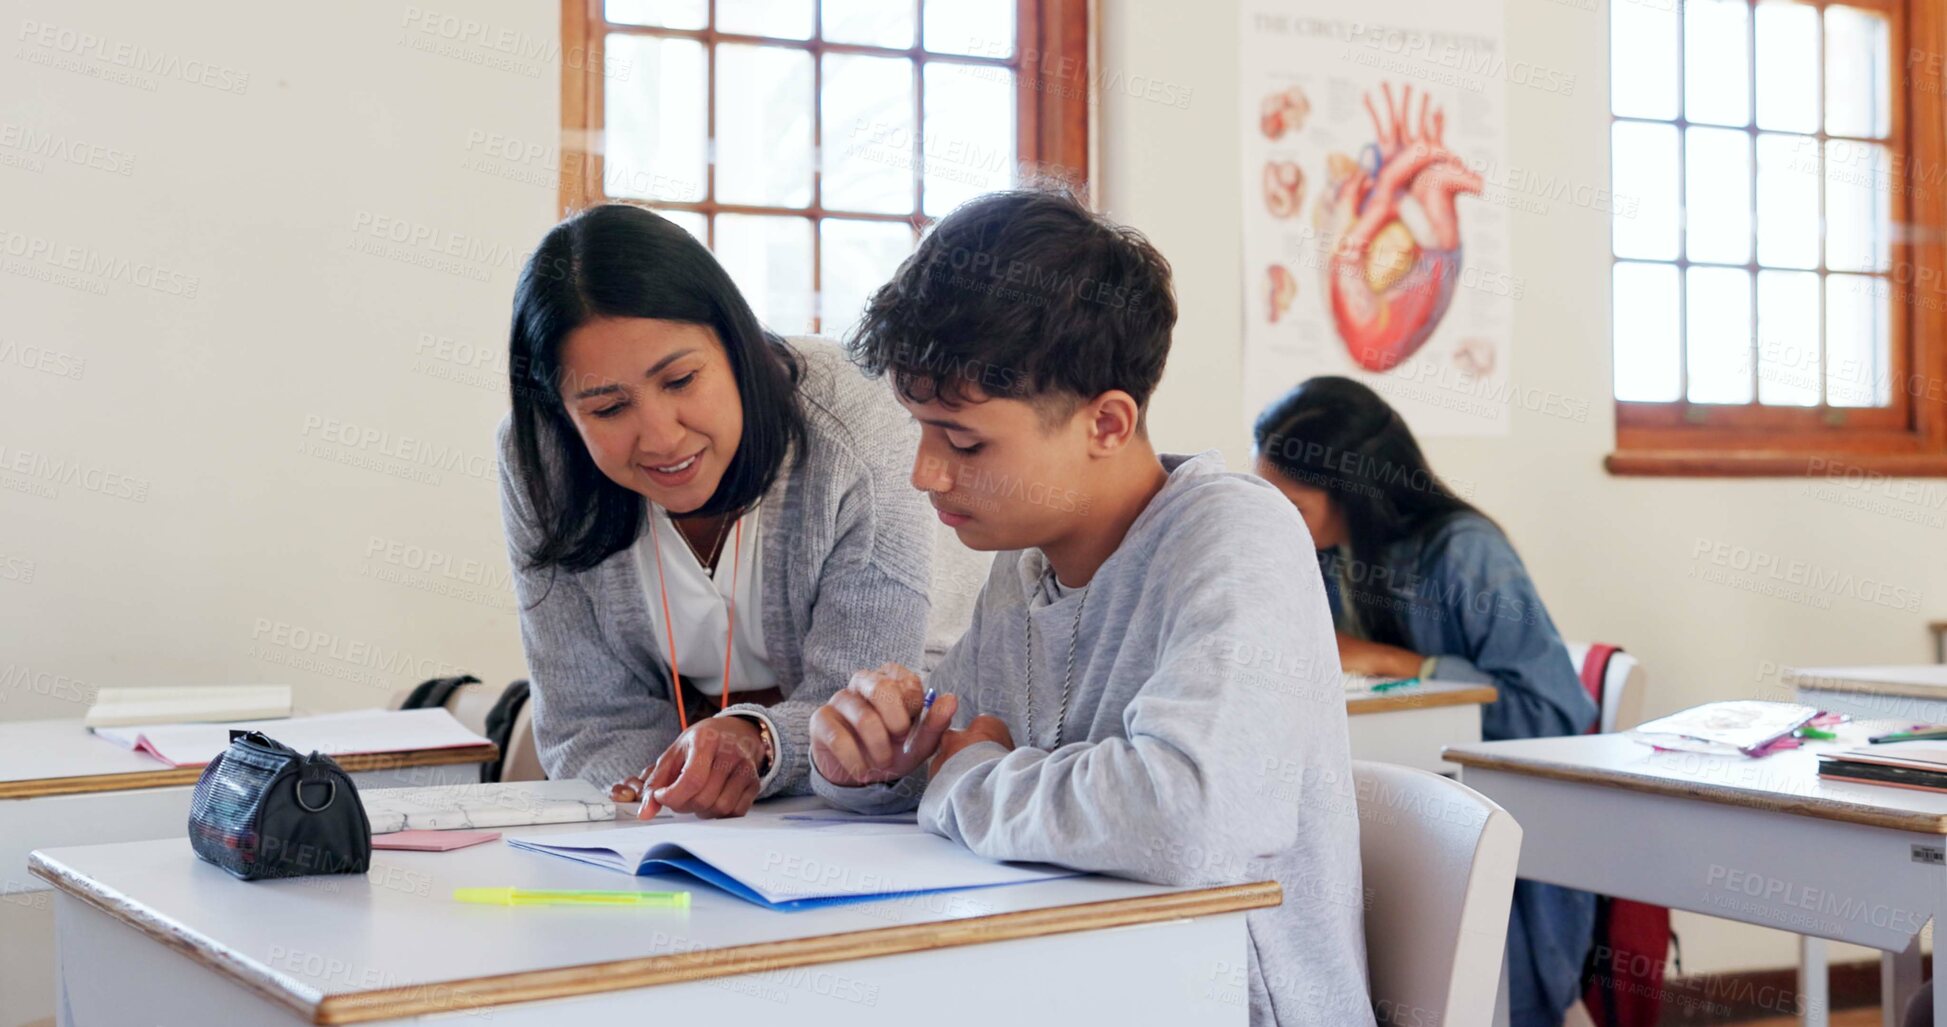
{"x": 616, "y": 260}
{"x": 1338, "y": 435}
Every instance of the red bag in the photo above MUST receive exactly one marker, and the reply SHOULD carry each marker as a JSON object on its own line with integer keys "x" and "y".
{"x": 1622, "y": 981}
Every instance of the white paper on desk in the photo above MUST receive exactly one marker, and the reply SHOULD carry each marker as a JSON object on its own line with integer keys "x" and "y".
{"x": 334, "y": 734}
{"x": 788, "y": 864}
{"x": 1725, "y": 728}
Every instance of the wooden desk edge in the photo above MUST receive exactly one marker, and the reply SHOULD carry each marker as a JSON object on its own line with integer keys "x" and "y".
{"x": 167, "y": 777}
{"x": 619, "y": 975}
{"x": 1408, "y": 699}
{"x": 1797, "y": 805}
{"x": 1806, "y": 680}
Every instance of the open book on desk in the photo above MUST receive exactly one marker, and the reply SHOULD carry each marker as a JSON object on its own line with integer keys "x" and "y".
{"x": 791, "y": 865}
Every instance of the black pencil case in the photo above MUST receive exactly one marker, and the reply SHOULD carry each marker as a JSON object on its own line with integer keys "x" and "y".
{"x": 263, "y": 810}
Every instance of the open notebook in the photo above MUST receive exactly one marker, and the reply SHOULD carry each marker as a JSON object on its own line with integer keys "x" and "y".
{"x": 794, "y": 864}
{"x": 334, "y": 734}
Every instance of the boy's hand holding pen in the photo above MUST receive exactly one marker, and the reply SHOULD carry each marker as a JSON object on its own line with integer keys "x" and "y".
{"x": 879, "y": 727}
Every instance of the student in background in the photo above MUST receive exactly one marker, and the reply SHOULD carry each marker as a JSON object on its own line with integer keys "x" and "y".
{"x": 686, "y": 493}
{"x": 1424, "y": 585}
{"x": 1148, "y": 687}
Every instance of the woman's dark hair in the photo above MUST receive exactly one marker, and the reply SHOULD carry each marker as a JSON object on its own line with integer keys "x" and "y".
{"x": 616, "y": 260}
{"x": 1028, "y": 295}
{"x": 1338, "y": 435}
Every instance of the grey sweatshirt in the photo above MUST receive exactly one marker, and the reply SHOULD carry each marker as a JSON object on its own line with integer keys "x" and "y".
{"x": 1205, "y": 739}
{"x": 848, "y": 548}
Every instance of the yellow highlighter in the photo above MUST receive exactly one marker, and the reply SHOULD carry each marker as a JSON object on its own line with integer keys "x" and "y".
{"x": 539, "y": 897}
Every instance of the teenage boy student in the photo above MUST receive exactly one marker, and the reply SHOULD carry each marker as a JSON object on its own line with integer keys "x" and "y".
{"x": 1150, "y": 685}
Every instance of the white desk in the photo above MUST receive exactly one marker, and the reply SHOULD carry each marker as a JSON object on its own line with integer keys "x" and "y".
{"x": 1760, "y": 841}
{"x": 60, "y": 785}
{"x": 1917, "y": 692}
{"x": 1409, "y": 726}
{"x": 393, "y": 948}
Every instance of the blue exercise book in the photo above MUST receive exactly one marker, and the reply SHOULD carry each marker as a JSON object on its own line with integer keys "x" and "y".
{"x": 793, "y": 863}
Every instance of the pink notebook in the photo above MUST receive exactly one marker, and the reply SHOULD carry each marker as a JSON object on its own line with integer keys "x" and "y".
{"x": 432, "y": 841}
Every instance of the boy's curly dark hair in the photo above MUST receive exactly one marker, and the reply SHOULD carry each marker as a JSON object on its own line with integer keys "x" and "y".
{"x": 1028, "y": 295}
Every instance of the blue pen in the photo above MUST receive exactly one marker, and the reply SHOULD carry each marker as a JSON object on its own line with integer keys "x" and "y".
{"x": 925, "y": 707}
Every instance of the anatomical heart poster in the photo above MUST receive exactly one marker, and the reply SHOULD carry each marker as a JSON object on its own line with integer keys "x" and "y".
{"x": 1374, "y": 247}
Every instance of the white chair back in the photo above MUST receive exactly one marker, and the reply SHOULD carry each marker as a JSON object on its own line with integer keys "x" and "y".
{"x": 1623, "y": 688}
{"x": 1438, "y": 860}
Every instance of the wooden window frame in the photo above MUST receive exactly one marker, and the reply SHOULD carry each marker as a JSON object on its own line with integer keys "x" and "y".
{"x": 1908, "y": 438}
{"x": 1054, "y": 128}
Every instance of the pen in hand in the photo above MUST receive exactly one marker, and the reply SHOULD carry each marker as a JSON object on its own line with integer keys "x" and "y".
{"x": 925, "y": 707}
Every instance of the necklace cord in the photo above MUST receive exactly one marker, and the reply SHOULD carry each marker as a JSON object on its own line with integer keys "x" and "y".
{"x": 669, "y": 623}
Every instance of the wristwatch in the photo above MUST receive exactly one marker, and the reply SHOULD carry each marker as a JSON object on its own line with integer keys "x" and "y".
{"x": 769, "y": 752}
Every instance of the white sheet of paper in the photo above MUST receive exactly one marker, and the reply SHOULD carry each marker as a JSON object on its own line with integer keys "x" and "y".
{"x": 334, "y": 734}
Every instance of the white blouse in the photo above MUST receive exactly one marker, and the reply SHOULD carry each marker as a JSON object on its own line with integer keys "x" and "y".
{"x": 699, "y": 602}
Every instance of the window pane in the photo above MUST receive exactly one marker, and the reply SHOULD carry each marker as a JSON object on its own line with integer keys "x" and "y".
{"x": 654, "y": 135}
{"x": 1788, "y": 66}
{"x": 690, "y": 221}
{"x": 1646, "y": 330}
{"x": 1857, "y": 339}
{"x": 1858, "y": 206}
{"x": 674, "y": 14}
{"x": 1788, "y": 201}
{"x": 1788, "y": 338}
{"x": 969, "y": 133}
{"x": 870, "y": 22}
{"x": 1717, "y": 338}
{"x": 770, "y": 260}
{"x": 1643, "y": 60}
{"x": 1645, "y": 173}
{"x": 859, "y": 256}
{"x": 1716, "y": 61}
{"x": 1856, "y": 73}
{"x": 763, "y": 125}
{"x": 868, "y": 151}
{"x": 1717, "y": 195}
{"x": 984, "y": 28}
{"x": 779, "y": 19}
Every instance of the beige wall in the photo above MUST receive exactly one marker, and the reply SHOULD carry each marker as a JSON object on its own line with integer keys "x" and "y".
{"x": 288, "y": 475}
{"x": 1614, "y": 557}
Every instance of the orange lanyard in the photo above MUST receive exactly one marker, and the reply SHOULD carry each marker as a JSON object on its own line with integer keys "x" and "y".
{"x": 669, "y": 624}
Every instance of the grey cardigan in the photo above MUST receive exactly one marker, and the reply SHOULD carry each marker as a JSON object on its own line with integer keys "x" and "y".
{"x": 848, "y": 551}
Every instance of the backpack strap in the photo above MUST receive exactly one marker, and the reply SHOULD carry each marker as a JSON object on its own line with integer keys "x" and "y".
{"x": 435, "y": 692}
{"x": 1595, "y": 676}
{"x": 500, "y": 726}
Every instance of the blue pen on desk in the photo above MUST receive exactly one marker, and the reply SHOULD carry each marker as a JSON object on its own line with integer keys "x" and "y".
{"x": 925, "y": 707}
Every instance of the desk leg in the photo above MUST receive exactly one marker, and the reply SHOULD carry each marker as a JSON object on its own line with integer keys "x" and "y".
{"x": 1814, "y": 981}
{"x": 1899, "y": 978}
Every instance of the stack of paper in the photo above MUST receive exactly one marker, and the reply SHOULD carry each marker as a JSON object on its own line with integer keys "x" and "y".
{"x": 1902, "y": 764}
{"x": 794, "y": 864}
{"x": 120, "y": 707}
{"x": 1725, "y": 728}
{"x": 508, "y": 804}
{"x": 334, "y": 734}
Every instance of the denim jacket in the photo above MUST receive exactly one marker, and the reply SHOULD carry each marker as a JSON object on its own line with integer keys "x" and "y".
{"x": 1468, "y": 604}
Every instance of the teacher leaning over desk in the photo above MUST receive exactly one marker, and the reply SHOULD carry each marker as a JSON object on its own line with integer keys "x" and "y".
{"x": 689, "y": 497}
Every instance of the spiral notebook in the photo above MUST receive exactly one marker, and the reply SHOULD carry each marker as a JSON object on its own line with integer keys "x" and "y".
{"x": 797, "y": 864}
